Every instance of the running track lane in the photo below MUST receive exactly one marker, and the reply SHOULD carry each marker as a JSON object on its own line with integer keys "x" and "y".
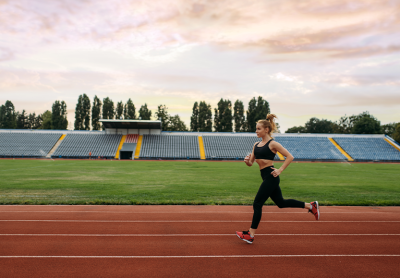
{"x": 119, "y": 241}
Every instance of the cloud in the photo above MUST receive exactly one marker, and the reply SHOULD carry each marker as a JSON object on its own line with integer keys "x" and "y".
{"x": 308, "y": 56}
{"x": 334, "y": 29}
{"x": 281, "y": 76}
{"x": 6, "y": 54}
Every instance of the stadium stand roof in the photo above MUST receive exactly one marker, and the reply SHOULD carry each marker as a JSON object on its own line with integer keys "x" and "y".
{"x": 131, "y": 124}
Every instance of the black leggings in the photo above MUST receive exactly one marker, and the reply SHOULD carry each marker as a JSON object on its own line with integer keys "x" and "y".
{"x": 270, "y": 188}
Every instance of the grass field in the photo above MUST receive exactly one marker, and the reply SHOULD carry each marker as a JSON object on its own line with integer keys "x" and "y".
{"x": 187, "y": 182}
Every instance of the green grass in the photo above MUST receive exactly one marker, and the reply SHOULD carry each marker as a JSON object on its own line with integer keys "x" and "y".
{"x": 181, "y": 182}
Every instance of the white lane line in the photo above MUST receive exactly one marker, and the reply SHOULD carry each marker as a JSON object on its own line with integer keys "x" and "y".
{"x": 184, "y": 235}
{"x": 195, "y": 221}
{"x": 200, "y": 256}
{"x": 187, "y": 212}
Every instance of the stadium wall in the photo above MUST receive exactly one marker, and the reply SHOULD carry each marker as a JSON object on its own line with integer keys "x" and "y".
{"x": 52, "y": 131}
{"x": 190, "y": 133}
{"x": 328, "y": 135}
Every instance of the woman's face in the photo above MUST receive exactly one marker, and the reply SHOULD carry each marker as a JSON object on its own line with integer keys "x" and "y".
{"x": 260, "y": 130}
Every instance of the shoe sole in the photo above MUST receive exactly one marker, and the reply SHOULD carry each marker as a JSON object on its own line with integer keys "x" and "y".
{"x": 249, "y": 242}
{"x": 317, "y": 209}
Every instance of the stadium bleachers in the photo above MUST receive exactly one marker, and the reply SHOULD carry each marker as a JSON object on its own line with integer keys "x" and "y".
{"x": 172, "y": 147}
{"x": 27, "y": 144}
{"x": 132, "y": 138}
{"x": 79, "y": 146}
{"x": 302, "y": 148}
{"x": 310, "y": 148}
{"x": 228, "y": 147}
{"x": 367, "y": 149}
{"x": 185, "y": 145}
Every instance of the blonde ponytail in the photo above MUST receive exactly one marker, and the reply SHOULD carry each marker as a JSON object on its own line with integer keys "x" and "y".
{"x": 269, "y": 122}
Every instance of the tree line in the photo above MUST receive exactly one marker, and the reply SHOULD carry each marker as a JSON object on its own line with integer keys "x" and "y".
{"x": 227, "y": 118}
{"x": 87, "y": 116}
{"x": 363, "y": 123}
{"x": 224, "y": 120}
{"x": 56, "y": 119}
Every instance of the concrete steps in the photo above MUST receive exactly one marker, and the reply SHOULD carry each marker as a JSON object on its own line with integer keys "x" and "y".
{"x": 56, "y": 146}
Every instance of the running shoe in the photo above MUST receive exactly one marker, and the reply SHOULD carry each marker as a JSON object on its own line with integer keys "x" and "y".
{"x": 245, "y": 235}
{"x": 314, "y": 209}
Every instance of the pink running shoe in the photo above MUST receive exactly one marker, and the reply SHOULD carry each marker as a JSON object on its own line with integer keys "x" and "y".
{"x": 245, "y": 235}
{"x": 314, "y": 209}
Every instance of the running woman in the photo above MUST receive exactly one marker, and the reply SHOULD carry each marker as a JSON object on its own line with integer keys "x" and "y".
{"x": 264, "y": 153}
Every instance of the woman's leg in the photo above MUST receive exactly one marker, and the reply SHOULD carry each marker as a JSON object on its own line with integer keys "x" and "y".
{"x": 312, "y": 207}
{"x": 267, "y": 187}
{"x": 277, "y": 197}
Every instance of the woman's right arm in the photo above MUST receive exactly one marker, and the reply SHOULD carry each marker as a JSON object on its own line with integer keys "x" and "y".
{"x": 249, "y": 159}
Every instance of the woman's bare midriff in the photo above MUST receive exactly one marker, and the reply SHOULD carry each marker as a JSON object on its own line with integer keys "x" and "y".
{"x": 263, "y": 163}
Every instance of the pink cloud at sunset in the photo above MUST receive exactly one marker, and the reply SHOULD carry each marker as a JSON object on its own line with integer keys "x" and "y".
{"x": 307, "y": 58}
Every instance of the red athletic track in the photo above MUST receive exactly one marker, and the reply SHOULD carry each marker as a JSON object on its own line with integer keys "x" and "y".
{"x": 197, "y": 241}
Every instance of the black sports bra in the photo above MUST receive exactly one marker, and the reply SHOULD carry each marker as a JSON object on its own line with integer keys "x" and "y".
{"x": 264, "y": 152}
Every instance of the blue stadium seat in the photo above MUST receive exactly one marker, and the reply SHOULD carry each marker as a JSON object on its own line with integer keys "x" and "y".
{"x": 228, "y": 147}
{"x": 310, "y": 148}
{"x": 302, "y": 148}
{"x": 79, "y": 145}
{"x": 182, "y": 146}
{"x": 27, "y": 144}
{"x": 170, "y": 146}
{"x": 367, "y": 149}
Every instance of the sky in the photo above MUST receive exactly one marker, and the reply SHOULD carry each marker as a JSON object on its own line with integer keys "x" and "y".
{"x": 323, "y": 58}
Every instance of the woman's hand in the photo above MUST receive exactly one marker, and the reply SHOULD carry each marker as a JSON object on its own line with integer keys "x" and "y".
{"x": 247, "y": 160}
{"x": 276, "y": 172}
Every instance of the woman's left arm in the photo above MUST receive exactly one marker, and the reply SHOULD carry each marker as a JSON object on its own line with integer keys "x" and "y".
{"x": 289, "y": 158}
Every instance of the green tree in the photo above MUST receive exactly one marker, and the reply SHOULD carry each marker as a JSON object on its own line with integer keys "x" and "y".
{"x": 96, "y": 111}
{"x": 144, "y": 112}
{"x": 396, "y": 134}
{"x": 342, "y": 126}
{"x": 205, "y": 117}
{"x": 366, "y": 124}
{"x": 315, "y": 125}
{"x": 22, "y": 120}
{"x": 59, "y": 115}
{"x": 78, "y": 125}
{"x": 345, "y": 124}
{"x": 38, "y": 122}
{"x": 223, "y": 116}
{"x": 388, "y": 129}
{"x": 238, "y": 115}
{"x": 46, "y": 120}
{"x": 216, "y": 120}
{"x": 129, "y": 110}
{"x": 31, "y": 120}
{"x": 34, "y": 122}
{"x": 251, "y": 115}
{"x": 119, "y": 110}
{"x": 162, "y": 115}
{"x": 9, "y": 117}
{"x": 194, "y": 119}
{"x": 86, "y": 112}
{"x": 108, "y": 108}
{"x": 2, "y": 113}
{"x": 297, "y": 129}
{"x": 176, "y": 124}
{"x": 262, "y": 109}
